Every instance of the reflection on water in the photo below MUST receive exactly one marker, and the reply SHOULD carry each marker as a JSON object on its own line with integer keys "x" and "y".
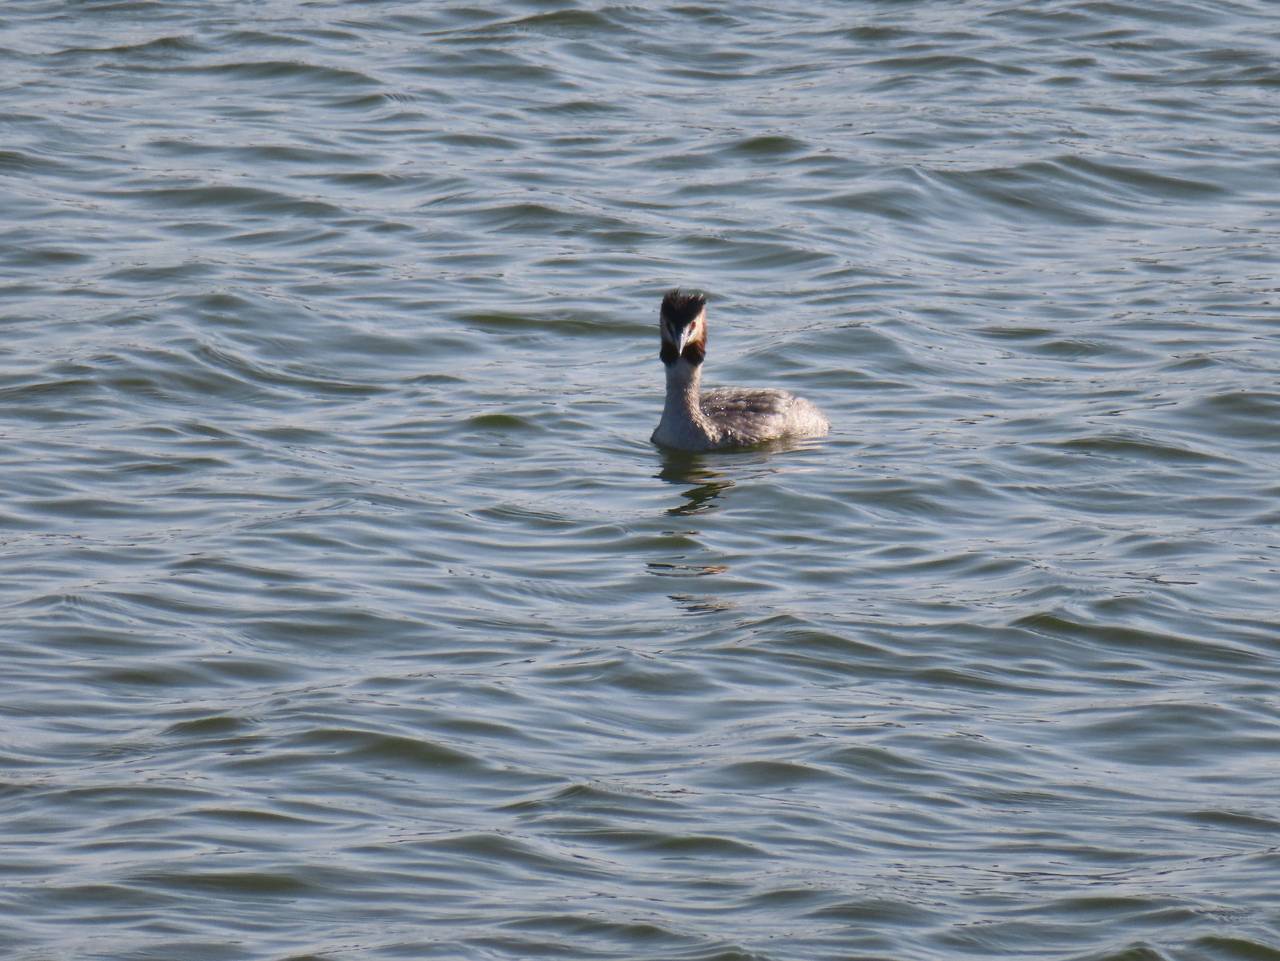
{"x": 680, "y": 467}
{"x": 685, "y": 570}
{"x": 683, "y": 467}
{"x": 348, "y": 614}
{"x": 706, "y": 604}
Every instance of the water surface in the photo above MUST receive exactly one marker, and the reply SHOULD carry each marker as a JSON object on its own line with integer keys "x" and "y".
{"x": 349, "y": 614}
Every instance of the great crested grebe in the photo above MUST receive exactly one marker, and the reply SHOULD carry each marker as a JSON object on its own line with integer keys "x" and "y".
{"x": 727, "y": 416}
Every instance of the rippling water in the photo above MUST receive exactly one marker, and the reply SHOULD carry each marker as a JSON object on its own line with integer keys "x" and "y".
{"x": 349, "y": 614}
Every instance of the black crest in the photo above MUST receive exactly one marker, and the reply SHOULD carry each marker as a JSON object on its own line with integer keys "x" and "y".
{"x": 680, "y": 308}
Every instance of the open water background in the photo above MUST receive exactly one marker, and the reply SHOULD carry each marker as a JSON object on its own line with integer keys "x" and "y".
{"x": 348, "y": 613}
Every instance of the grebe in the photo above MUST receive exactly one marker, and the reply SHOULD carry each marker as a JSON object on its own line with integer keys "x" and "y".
{"x": 725, "y": 417}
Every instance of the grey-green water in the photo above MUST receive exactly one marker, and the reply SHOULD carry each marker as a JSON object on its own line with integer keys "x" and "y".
{"x": 348, "y": 614}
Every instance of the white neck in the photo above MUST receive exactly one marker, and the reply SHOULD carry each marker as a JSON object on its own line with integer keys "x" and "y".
{"x": 682, "y": 416}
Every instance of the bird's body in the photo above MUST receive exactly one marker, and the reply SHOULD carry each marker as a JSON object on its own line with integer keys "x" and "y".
{"x": 726, "y": 417}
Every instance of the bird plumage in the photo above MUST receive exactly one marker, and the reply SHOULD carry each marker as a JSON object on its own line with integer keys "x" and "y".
{"x": 726, "y": 417}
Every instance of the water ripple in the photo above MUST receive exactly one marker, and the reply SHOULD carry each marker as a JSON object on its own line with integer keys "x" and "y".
{"x": 350, "y": 614}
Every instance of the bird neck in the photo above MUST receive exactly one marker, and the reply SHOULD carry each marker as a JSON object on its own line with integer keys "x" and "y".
{"x": 684, "y": 390}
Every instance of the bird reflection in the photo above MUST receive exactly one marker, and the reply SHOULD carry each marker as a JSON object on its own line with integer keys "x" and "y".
{"x": 679, "y": 467}
{"x": 700, "y": 605}
{"x": 660, "y": 569}
{"x": 706, "y": 485}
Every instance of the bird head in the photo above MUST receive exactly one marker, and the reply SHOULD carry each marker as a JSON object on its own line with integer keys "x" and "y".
{"x": 682, "y": 323}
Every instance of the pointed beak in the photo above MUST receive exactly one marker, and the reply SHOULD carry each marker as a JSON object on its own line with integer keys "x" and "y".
{"x": 686, "y": 334}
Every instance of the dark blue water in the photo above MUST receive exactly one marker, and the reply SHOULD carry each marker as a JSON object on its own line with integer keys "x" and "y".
{"x": 346, "y": 611}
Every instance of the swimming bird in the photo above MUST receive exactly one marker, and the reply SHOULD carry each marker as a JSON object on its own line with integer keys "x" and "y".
{"x": 727, "y": 416}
